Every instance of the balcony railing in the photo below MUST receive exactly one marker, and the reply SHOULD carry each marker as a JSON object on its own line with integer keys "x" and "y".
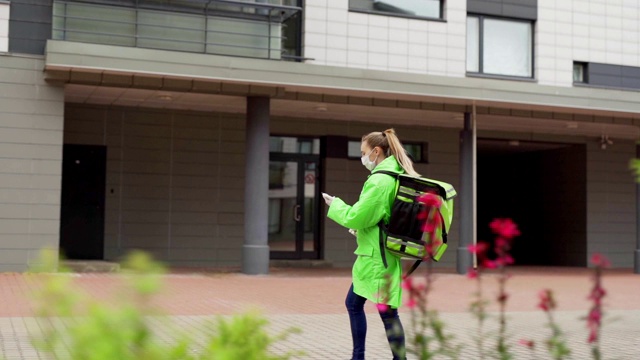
{"x": 256, "y": 29}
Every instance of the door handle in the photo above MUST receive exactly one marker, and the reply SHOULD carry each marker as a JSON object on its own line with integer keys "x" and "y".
{"x": 296, "y": 213}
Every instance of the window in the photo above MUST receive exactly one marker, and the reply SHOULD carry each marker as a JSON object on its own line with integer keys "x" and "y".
{"x": 294, "y": 145}
{"x": 249, "y": 28}
{"x": 417, "y": 151}
{"x": 499, "y": 46}
{"x": 579, "y": 72}
{"x": 4, "y": 26}
{"x": 403, "y": 8}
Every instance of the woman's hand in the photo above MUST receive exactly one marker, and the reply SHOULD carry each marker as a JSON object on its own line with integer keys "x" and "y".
{"x": 328, "y": 198}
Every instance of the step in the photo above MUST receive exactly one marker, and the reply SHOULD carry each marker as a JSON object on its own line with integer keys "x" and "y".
{"x": 91, "y": 266}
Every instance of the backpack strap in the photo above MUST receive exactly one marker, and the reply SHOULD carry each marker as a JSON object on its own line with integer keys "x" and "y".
{"x": 381, "y": 225}
{"x": 382, "y": 232}
{"x": 390, "y": 173}
{"x": 412, "y": 268}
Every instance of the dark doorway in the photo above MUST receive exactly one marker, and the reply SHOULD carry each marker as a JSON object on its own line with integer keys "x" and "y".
{"x": 542, "y": 187}
{"x": 82, "y": 203}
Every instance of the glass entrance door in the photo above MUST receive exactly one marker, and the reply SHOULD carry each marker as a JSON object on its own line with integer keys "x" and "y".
{"x": 293, "y": 206}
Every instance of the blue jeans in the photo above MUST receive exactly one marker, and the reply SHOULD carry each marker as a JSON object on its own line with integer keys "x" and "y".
{"x": 358, "y": 320}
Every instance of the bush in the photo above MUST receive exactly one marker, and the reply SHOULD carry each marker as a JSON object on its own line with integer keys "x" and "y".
{"x": 81, "y": 328}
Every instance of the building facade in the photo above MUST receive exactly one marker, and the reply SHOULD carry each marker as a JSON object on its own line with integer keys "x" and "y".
{"x": 204, "y": 131}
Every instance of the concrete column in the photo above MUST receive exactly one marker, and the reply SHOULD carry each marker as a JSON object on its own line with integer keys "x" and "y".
{"x": 467, "y": 195}
{"x": 255, "y": 251}
{"x": 636, "y": 259}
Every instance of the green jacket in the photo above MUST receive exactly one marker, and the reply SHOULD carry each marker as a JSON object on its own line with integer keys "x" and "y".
{"x": 369, "y": 274}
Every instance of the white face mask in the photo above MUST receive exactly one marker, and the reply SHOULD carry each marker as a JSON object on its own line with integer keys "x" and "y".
{"x": 370, "y": 165}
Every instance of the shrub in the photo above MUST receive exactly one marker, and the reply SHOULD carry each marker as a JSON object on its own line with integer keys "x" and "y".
{"x": 82, "y": 328}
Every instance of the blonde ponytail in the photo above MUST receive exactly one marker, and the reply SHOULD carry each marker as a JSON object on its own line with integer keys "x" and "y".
{"x": 391, "y": 145}
{"x": 397, "y": 150}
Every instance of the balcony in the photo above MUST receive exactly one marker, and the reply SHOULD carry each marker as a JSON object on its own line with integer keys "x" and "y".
{"x": 265, "y": 29}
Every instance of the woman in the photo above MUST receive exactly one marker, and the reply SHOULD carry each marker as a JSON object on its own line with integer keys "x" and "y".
{"x": 370, "y": 279}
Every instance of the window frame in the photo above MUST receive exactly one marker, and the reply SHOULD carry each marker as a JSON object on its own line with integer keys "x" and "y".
{"x": 300, "y": 140}
{"x": 480, "y": 72}
{"x": 424, "y": 150}
{"x": 6, "y": 24}
{"x": 441, "y": 17}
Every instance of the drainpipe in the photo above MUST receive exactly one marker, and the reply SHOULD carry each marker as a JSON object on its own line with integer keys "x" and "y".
{"x": 467, "y": 194}
{"x": 636, "y": 260}
{"x": 255, "y": 251}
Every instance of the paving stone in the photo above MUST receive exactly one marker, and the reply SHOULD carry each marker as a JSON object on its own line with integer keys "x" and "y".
{"x": 313, "y": 301}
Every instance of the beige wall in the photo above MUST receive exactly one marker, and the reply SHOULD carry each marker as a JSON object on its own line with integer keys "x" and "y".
{"x": 175, "y": 182}
{"x": 178, "y": 183}
{"x": 611, "y": 202}
{"x": 31, "y": 123}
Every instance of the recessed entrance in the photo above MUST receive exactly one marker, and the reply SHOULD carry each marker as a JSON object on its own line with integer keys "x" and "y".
{"x": 542, "y": 187}
{"x": 293, "y": 198}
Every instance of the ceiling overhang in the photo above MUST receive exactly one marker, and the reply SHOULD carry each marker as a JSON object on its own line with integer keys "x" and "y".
{"x": 492, "y": 99}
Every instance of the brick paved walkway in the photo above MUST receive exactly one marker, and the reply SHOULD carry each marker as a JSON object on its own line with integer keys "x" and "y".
{"x": 312, "y": 300}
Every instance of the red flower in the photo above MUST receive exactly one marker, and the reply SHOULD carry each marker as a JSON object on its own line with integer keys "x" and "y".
{"x": 407, "y": 284}
{"x": 478, "y": 249}
{"x": 597, "y": 294}
{"x": 472, "y": 273}
{"x": 430, "y": 200}
{"x": 593, "y": 323}
{"x": 546, "y": 300}
{"x": 594, "y": 317}
{"x": 527, "y": 343}
{"x": 600, "y": 260}
{"x": 502, "y": 243}
{"x": 489, "y": 264}
{"x": 411, "y": 303}
{"x": 505, "y": 228}
{"x": 504, "y": 260}
{"x": 503, "y": 297}
{"x": 431, "y": 224}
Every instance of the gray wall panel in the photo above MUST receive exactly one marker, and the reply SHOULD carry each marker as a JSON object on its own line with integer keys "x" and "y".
{"x": 521, "y": 9}
{"x": 29, "y": 25}
{"x": 616, "y": 76}
{"x": 484, "y": 7}
{"x": 631, "y": 71}
{"x": 605, "y": 80}
{"x": 36, "y": 12}
{"x": 605, "y": 69}
{"x": 611, "y": 207}
{"x": 630, "y": 82}
{"x": 166, "y": 171}
{"x": 186, "y": 206}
